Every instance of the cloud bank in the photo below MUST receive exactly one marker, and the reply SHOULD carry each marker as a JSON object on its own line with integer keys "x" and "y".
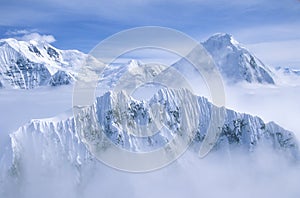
{"x": 28, "y": 35}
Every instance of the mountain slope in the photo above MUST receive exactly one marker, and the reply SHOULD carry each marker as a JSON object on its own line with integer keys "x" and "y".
{"x": 31, "y": 64}
{"x": 235, "y": 62}
{"x": 55, "y": 141}
{"x": 133, "y": 69}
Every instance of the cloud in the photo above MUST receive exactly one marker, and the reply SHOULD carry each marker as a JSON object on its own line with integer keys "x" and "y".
{"x": 278, "y": 53}
{"x": 226, "y": 174}
{"x": 31, "y": 34}
{"x": 17, "y": 32}
{"x": 82, "y": 24}
{"x": 258, "y": 33}
{"x": 275, "y": 45}
{"x": 136, "y": 12}
{"x": 278, "y": 103}
{"x": 38, "y": 37}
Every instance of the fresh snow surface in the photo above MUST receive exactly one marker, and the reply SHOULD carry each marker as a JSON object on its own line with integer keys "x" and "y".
{"x": 246, "y": 143}
{"x": 42, "y": 155}
{"x": 235, "y": 62}
{"x": 31, "y": 64}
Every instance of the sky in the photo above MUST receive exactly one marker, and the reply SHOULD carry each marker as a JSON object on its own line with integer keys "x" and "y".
{"x": 270, "y": 29}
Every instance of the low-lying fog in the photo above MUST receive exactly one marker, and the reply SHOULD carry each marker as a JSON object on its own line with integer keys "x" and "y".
{"x": 261, "y": 175}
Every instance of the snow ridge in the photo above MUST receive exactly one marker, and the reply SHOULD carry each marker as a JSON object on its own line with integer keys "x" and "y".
{"x": 235, "y": 62}
{"x": 27, "y": 65}
{"x": 30, "y": 64}
{"x": 56, "y": 141}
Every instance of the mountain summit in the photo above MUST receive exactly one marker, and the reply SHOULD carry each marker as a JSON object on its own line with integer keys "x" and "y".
{"x": 116, "y": 115}
{"x": 30, "y": 64}
{"x": 235, "y": 62}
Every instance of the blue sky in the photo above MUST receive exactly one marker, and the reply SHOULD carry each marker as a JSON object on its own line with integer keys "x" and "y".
{"x": 262, "y": 25}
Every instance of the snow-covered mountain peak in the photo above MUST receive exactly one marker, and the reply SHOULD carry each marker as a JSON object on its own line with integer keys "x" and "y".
{"x": 38, "y": 52}
{"x": 235, "y": 62}
{"x": 71, "y": 138}
{"x": 133, "y": 63}
{"x": 123, "y": 74}
{"x": 223, "y": 38}
{"x": 29, "y": 64}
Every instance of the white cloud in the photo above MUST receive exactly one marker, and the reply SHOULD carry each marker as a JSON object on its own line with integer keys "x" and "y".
{"x": 275, "y": 45}
{"x": 17, "y": 32}
{"x": 278, "y": 103}
{"x": 278, "y": 53}
{"x": 38, "y": 37}
{"x": 31, "y": 34}
{"x": 258, "y": 33}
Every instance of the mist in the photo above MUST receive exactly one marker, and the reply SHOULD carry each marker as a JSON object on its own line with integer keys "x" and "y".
{"x": 272, "y": 103}
{"x": 278, "y": 103}
{"x": 263, "y": 173}
{"x": 20, "y": 106}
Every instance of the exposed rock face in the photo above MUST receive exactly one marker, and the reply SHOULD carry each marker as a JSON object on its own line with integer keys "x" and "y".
{"x": 235, "y": 62}
{"x": 56, "y": 138}
{"x": 27, "y": 65}
{"x": 60, "y": 78}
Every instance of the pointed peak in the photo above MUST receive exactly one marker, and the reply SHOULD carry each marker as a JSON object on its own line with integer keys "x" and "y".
{"x": 133, "y": 63}
{"x": 221, "y": 35}
{"x": 222, "y": 38}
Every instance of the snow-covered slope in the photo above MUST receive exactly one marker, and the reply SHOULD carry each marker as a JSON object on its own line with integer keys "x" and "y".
{"x": 235, "y": 62}
{"x": 54, "y": 141}
{"x": 133, "y": 69}
{"x": 31, "y": 64}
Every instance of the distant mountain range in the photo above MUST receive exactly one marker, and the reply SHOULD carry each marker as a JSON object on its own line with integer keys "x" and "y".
{"x": 70, "y": 142}
{"x": 27, "y": 65}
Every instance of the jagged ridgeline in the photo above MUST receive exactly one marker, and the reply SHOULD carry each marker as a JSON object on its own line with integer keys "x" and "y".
{"x": 54, "y": 140}
{"x": 28, "y": 65}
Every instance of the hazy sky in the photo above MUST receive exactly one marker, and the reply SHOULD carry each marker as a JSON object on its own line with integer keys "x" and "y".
{"x": 269, "y": 28}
